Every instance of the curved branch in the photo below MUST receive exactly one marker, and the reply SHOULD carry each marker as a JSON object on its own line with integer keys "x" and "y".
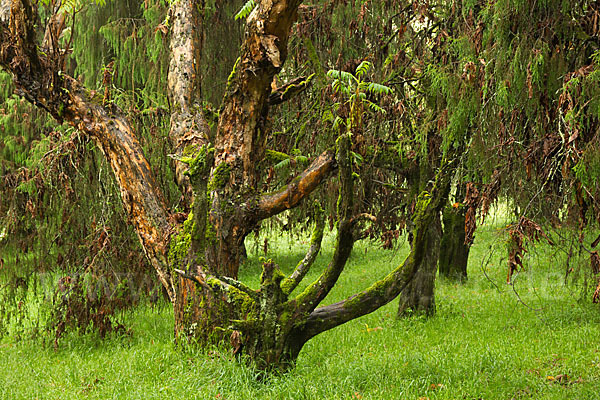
{"x": 384, "y": 291}
{"x": 303, "y": 185}
{"x": 289, "y": 284}
{"x": 37, "y": 80}
{"x": 310, "y": 298}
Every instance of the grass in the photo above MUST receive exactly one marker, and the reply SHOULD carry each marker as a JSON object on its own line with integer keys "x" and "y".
{"x": 485, "y": 342}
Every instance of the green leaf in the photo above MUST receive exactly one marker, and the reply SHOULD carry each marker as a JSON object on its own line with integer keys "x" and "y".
{"x": 377, "y": 88}
{"x": 245, "y": 10}
{"x": 363, "y": 68}
{"x": 343, "y": 76}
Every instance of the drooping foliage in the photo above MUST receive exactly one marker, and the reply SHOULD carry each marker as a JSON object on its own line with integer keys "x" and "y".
{"x": 410, "y": 83}
{"x": 61, "y": 212}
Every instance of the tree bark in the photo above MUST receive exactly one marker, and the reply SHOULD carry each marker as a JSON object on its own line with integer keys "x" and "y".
{"x": 454, "y": 252}
{"x": 189, "y": 129}
{"x": 39, "y": 79}
{"x": 419, "y": 295}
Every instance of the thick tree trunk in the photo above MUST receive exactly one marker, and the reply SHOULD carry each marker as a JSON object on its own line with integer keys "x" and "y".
{"x": 419, "y": 295}
{"x": 209, "y": 303}
{"x": 454, "y": 252}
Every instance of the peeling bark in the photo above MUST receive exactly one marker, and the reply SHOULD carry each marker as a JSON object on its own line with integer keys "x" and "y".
{"x": 189, "y": 129}
{"x": 241, "y": 135}
{"x": 66, "y": 100}
{"x": 290, "y": 196}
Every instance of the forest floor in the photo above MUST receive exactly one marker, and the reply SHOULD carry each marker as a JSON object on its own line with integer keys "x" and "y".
{"x": 538, "y": 339}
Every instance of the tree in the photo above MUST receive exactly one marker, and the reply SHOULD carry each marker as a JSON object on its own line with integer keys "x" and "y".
{"x": 454, "y": 251}
{"x": 198, "y": 262}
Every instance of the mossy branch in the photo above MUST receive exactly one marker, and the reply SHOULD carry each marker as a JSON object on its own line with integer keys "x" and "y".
{"x": 310, "y": 298}
{"x": 384, "y": 291}
{"x": 290, "y": 90}
{"x": 240, "y": 286}
{"x": 289, "y": 284}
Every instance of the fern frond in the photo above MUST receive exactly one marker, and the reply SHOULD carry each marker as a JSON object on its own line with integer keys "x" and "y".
{"x": 282, "y": 164}
{"x": 377, "y": 88}
{"x": 245, "y": 10}
{"x": 341, "y": 76}
{"x": 374, "y": 107}
{"x": 339, "y": 121}
{"x": 339, "y": 86}
{"x": 363, "y": 68}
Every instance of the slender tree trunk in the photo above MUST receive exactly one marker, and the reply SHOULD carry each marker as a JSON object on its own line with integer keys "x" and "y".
{"x": 454, "y": 253}
{"x": 419, "y": 295}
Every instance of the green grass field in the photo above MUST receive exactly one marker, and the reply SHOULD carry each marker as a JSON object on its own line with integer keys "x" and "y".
{"x": 486, "y": 342}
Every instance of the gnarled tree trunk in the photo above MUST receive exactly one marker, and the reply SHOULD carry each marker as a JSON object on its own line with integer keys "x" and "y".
{"x": 198, "y": 261}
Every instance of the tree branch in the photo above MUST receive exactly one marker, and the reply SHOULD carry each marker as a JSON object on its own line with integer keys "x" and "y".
{"x": 310, "y": 298}
{"x": 290, "y": 90}
{"x": 37, "y": 80}
{"x": 289, "y": 284}
{"x": 384, "y": 291}
{"x": 302, "y": 186}
{"x": 242, "y": 131}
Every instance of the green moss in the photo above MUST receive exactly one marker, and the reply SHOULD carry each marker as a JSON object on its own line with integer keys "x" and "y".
{"x": 421, "y": 207}
{"x": 243, "y": 303}
{"x": 199, "y": 161}
{"x": 232, "y": 74}
{"x": 298, "y": 85}
{"x": 220, "y": 177}
{"x": 276, "y": 277}
{"x": 275, "y": 156}
{"x": 189, "y": 150}
{"x": 180, "y": 243}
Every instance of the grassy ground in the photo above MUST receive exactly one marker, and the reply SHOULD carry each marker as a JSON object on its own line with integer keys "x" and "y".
{"x": 486, "y": 342}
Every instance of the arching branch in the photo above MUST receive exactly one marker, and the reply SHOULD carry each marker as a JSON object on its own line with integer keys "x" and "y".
{"x": 302, "y": 186}
{"x": 37, "y": 79}
{"x": 310, "y": 298}
{"x": 384, "y": 291}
